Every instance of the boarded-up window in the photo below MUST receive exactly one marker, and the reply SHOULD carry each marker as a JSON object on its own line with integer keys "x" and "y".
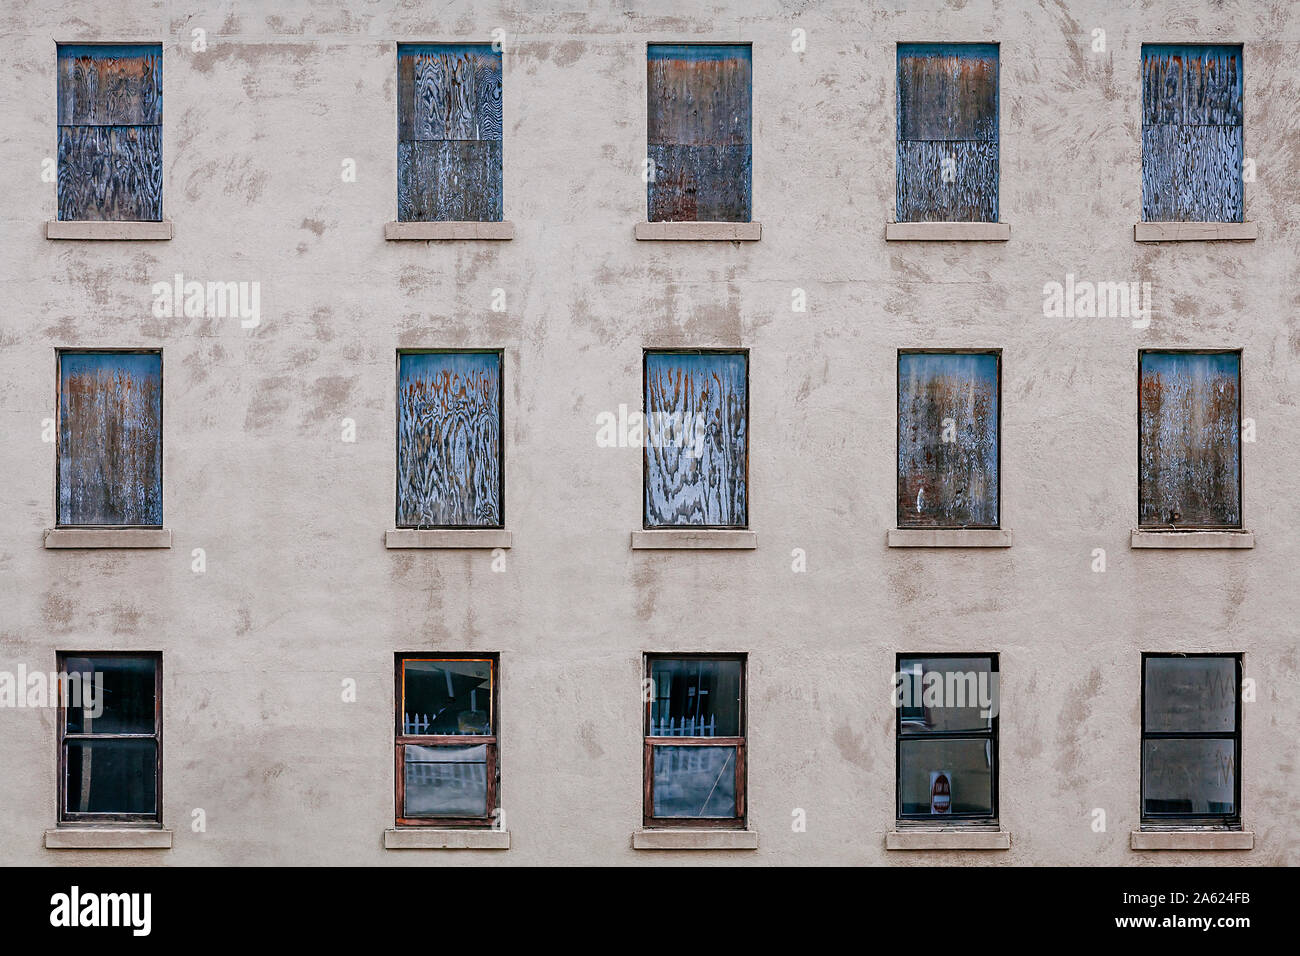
{"x": 949, "y": 422}
{"x": 110, "y": 132}
{"x": 448, "y": 132}
{"x": 947, "y": 132}
{"x": 1189, "y": 448}
{"x": 696, "y": 439}
{"x": 1192, "y": 138}
{"x": 110, "y": 439}
{"x": 449, "y": 472}
{"x": 699, "y": 132}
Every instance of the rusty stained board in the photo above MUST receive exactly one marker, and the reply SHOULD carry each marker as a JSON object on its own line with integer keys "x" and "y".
{"x": 110, "y": 439}
{"x": 449, "y": 133}
{"x": 449, "y": 468}
{"x": 699, "y": 132}
{"x": 1193, "y": 140}
{"x": 696, "y": 439}
{"x": 1189, "y": 447}
{"x": 949, "y": 424}
{"x": 947, "y": 131}
{"x": 110, "y": 132}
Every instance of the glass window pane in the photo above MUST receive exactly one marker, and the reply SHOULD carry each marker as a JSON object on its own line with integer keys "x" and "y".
{"x": 695, "y": 698}
{"x": 447, "y": 697}
{"x": 945, "y": 777}
{"x": 1191, "y": 695}
{"x": 446, "y": 781}
{"x": 1189, "y": 776}
{"x": 946, "y": 694}
{"x": 695, "y": 782}
{"x": 110, "y": 695}
{"x": 111, "y": 776}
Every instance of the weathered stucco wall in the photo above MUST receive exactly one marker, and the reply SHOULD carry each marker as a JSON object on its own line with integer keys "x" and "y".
{"x": 300, "y": 593}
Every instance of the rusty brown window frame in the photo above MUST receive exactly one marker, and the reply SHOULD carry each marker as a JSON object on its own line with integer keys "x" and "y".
{"x": 489, "y": 741}
{"x": 648, "y": 819}
{"x": 77, "y": 818}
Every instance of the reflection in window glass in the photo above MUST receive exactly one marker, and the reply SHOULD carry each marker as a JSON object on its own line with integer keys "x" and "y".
{"x": 447, "y": 697}
{"x": 445, "y": 781}
{"x": 695, "y": 698}
{"x": 943, "y": 777}
{"x": 111, "y": 776}
{"x": 941, "y": 694}
{"x": 1191, "y": 694}
{"x": 695, "y": 782}
{"x": 1191, "y": 776}
{"x": 126, "y": 687}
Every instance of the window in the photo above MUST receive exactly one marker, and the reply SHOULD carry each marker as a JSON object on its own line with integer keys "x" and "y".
{"x": 699, "y": 138}
{"x": 947, "y": 737}
{"x": 110, "y": 132}
{"x": 949, "y": 425}
{"x": 110, "y": 738}
{"x": 446, "y": 740}
{"x": 947, "y": 132}
{"x": 695, "y": 741}
{"x": 449, "y": 467}
{"x": 1192, "y": 136}
{"x": 696, "y": 441}
{"x": 448, "y": 132}
{"x": 110, "y": 439}
{"x": 1189, "y": 440}
{"x": 1191, "y": 739}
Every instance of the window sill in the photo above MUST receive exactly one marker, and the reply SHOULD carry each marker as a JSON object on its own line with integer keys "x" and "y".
{"x": 1192, "y": 840}
{"x": 432, "y": 838}
{"x": 700, "y": 231}
{"x": 1191, "y": 539}
{"x": 947, "y": 231}
{"x": 95, "y": 229}
{"x": 108, "y": 538}
{"x": 949, "y": 538}
{"x": 441, "y": 231}
{"x": 93, "y": 838}
{"x": 695, "y": 840}
{"x": 705, "y": 539}
{"x": 448, "y": 538}
{"x": 953, "y": 838}
{"x": 1195, "y": 232}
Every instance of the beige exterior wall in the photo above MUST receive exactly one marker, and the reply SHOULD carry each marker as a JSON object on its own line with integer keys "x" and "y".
{"x": 300, "y": 593}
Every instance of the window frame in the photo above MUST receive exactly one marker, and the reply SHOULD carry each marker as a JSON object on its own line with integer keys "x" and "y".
{"x": 992, "y": 735}
{"x": 648, "y": 819}
{"x": 645, "y": 442}
{"x": 501, "y": 442}
{"x": 67, "y": 818}
{"x": 59, "y": 353}
{"x": 1231, "y": 821}
{"x": 1241, "y": 457}
{"x": 490, "y": 741}
{"x": 898, "y": 445}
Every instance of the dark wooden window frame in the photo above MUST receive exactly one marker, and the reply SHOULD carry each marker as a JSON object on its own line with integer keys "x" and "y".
{"x": 898, "y": 448}
{"x": 1229, "y": 820}
{"x": 142, "y": 820}
{"x": 401, "y": 740}
{"x": 1241, "y": 458}
{"x": 645, "y": 450}
{"x": 648, "y": 819}
{"x": 991, "y": 735}
{"x": 501, "y": 431}
{"x": 58, "y": 426}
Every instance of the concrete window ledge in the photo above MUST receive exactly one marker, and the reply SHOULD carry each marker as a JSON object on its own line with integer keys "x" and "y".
{"x": 947, "y": 231}
{"x": 1195, "y": 232}
{"x": 88, "y": 229}
{"x": 695, "y": 840}
{"x": 1192, "y": 840}
{"x": 448, "y": 538}
{"x": 92, "y": 838}
{"x": 948, "y": 538}
{"x": 108, "y": 538}
{"x": 957, "y": 838}
{"x": 440, "y": 231}
{"x": 685, "y": 539}
{"x": 1191, "y": 539}
{"x": 700, "y": 231}
{"x": 431, "y": 838}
